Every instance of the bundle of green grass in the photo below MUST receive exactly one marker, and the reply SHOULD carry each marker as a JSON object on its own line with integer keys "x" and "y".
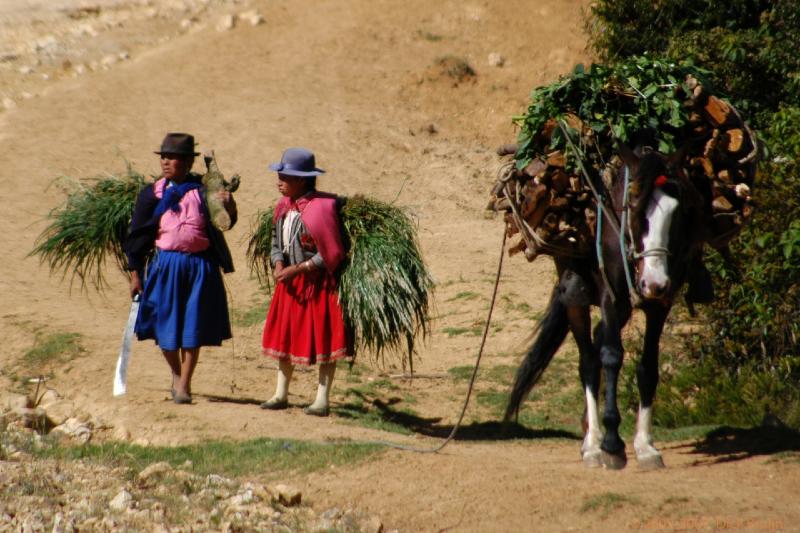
{"x": 384, "y": 288}
{"x": 89, "y": 226}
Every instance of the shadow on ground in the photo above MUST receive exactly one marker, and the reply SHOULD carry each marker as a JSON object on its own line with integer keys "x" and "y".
{"x": 431, "y": 427}
{"x": 726, "y": 443}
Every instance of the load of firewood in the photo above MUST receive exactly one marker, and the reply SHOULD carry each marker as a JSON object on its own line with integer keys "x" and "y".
{"x": 544, "y": 191}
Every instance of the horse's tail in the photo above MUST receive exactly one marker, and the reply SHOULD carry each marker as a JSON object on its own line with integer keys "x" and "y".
{"x": 551, "y": 330}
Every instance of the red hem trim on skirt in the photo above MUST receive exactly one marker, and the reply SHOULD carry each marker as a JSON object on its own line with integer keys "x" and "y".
{"x": 297, "y": 360}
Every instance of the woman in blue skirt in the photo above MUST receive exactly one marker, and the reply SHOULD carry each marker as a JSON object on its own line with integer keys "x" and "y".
{"x": 182, "y": 300}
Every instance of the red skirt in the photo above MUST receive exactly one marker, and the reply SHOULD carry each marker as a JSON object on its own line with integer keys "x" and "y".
{"x": 304, "y": 323}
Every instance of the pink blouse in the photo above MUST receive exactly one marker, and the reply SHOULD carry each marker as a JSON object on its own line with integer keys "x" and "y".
{"x": 183, "y": 230}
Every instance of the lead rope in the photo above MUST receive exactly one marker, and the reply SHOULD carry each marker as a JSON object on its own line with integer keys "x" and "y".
{"x": 632, "y": 293}
{"x": 619, "y": 230}
{"x": 456, "y": 427}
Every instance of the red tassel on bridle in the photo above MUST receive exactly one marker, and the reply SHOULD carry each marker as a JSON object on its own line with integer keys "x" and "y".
{"x": 661, "y": 181}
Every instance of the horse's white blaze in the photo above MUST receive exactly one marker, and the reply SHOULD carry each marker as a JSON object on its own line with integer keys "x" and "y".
{"x": 654, "y": 277}
{"x": 643, "y": 441}
{"x": 591, "y": 441}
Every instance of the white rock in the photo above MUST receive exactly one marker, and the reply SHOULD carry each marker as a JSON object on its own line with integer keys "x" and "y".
{"x": 26, "y": 95}
{"x": 17, "y": 401}
{"x": 214, "y": 480}
{"x": 252, "y": 16}
{"x": 244, "y": 498}
{"x": 25, "y": 70}
{"x": 186, "y": 24}
{"x": 122, "y": 433}
{"x": 227, "y": 22}
{"x": 48, "y": 43}
{"x": 60, "y": 411}
{"x": 45, "y": 77}
{"x": 496, "y": 60}
{"x": 121, "y": 501}
{"x": 287, "y": 495}
{"x": 151, "y": 12}
{"x": 58, "y": 523}
{"x": 124, "y": 55}
{"x": 75, "y": 429}
{"x": 108, "y": 61}
{"x": 372, "y": 525}
{"x": 80, "y": 69}
{"x": 155, "y": 470}
{"x": 84, "y": 30}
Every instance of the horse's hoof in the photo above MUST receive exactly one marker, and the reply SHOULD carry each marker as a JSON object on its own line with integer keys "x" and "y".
{"x": 592, "y": 460}
{"x": 612, "y": 461}
{"x": 651, "y": 462}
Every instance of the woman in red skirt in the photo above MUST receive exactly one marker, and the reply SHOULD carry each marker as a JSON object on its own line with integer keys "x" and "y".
{"x": 304, "y": 324}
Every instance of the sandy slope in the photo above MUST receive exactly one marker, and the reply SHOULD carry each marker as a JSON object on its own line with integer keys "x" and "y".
{"x": 357, "y": 82}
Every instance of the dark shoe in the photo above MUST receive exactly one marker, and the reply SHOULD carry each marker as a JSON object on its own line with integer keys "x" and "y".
{"x": 181, "y": 398}
{"x": 316, "y": 411}
{"x": 275, "y": 405}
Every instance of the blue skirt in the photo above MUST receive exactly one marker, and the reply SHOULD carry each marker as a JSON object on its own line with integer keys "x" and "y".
{"x": 183, "y": 304}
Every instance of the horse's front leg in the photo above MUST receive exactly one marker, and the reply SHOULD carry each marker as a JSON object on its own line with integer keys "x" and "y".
{"x": 611, "y": 354}
{"x": 647, "y": 379}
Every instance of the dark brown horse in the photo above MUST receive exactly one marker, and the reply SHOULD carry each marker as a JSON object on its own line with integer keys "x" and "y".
{"x": 660, "y": 219}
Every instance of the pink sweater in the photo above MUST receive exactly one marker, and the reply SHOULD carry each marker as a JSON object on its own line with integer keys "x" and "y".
{"x": 183, "y": 230}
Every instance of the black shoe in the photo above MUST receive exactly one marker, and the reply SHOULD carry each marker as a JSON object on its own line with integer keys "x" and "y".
{"x": 316, "y": 411}
{"x": 182, "y": 399}
{"x": 275, "y": 405}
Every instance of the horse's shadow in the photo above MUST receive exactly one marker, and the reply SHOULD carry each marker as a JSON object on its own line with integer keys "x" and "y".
{"x": 726, "y": 444}
{"x": 431, "y": 427}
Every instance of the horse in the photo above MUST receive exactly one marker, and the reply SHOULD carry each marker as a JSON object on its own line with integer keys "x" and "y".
{"x": 660, "y": 217}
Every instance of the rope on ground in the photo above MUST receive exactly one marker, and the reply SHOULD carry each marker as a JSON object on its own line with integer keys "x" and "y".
{"x": 456, "y": 427}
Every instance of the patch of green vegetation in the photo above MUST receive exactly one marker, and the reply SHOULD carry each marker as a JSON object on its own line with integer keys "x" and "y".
{"x": 245, "y": 318}
{"x": 679, "y": 501}
{"x": 368, "y": 406}
{"x": 452, "y": 332}
{"x": 219, "y": 457}
{"x": 457, "y": 68}
{"x": 428, "y": 36}
{"x": 607, "y": 502}
{"x": 51, "y": 348}
{"x": 464, "y": 295}
{"x": 502, "y": 374}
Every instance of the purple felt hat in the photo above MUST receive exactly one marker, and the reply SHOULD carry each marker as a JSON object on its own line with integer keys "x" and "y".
{"x": 297, "y": 162}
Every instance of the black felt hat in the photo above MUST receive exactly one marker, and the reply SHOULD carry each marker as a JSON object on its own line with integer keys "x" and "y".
{"x": 178, "y": 144}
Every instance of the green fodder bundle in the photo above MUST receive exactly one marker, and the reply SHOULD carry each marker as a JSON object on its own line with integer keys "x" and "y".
{"x": 384, "y": 287}
{"x": 89, "y": 226}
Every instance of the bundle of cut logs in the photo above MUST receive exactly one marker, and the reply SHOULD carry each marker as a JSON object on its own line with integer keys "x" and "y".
{"x": 557, "y": 210}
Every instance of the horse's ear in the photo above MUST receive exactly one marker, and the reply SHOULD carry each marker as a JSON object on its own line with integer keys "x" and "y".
{"x": 630, "y": 159}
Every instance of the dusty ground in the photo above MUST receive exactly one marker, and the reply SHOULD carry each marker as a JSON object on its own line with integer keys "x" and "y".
{"x": 359, "y": 83}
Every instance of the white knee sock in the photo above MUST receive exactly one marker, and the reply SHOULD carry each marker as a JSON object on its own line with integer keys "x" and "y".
{"x": 326, "y": 372}
{"x": 285, "y": 370}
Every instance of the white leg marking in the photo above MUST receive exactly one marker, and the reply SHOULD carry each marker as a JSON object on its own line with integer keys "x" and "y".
{"x": 655, "y": 277}
{"x": 590, "y": 450}
{"x": 643, "y": 442}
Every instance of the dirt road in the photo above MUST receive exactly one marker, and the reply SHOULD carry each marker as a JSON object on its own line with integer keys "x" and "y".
{"x": 361, "y": 83}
